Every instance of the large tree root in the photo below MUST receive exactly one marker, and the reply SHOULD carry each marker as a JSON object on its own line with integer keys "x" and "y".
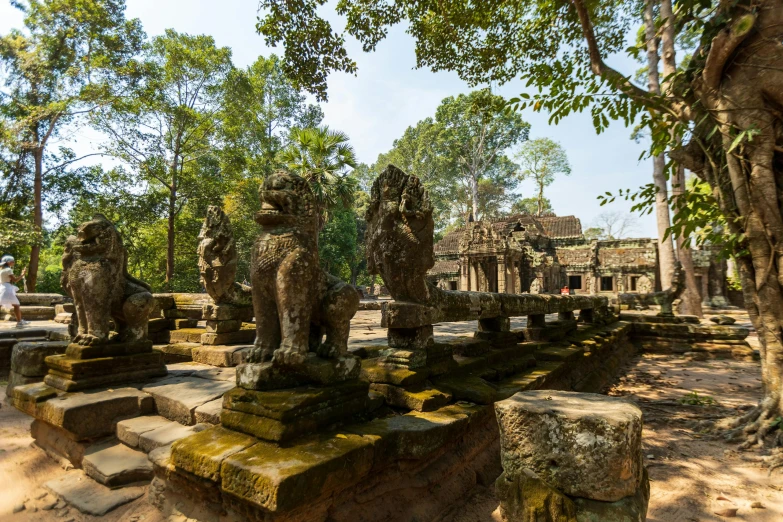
{"x": 755, "y": 428}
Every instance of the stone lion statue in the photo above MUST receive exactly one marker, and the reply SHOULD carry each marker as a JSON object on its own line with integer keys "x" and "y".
{"x": 217, "y": 260}
{"x": 400, "y": 235}
{"x": 95, "y": 275}
{"x": 295, "y": 302}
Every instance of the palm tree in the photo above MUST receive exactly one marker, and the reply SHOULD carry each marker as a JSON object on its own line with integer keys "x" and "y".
{"x": 323, "y": 157}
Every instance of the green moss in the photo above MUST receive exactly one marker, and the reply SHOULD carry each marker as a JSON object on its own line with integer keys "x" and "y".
{"x": 202, "y": 453}
{"x": 281, "y": 479}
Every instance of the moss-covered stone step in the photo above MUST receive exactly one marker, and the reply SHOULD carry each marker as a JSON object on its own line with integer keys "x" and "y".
{"x": 220, "y": 355}
{"x": 186, "y": 335}
{"x": 419, "y": 397}
{"x": 282, "y": 415}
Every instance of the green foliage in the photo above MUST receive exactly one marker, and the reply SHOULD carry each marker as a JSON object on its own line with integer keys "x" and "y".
{"x": 461, "y": 150}
{"x": 530, "y": 206}
{"x": 260, "y": 110}
{"x": 694, "y": 399}
{"x": 541, "y": 160}
{"x": 15, "y": 236}
{"x": 337, "y": 243}
{"x": 594, "y": 233}
{"x": 323, "y": 156}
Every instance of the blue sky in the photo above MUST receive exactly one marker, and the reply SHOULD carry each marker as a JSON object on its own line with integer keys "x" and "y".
{"x": 388, "y": 95}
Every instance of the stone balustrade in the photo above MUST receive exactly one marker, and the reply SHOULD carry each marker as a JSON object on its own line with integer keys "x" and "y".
{"x": 485, "y": 307}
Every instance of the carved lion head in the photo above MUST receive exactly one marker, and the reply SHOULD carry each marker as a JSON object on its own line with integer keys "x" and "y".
{"x": 285, "y": 198}
{"x": 98, "y": 236}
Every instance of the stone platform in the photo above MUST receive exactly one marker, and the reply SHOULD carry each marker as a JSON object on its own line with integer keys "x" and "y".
{"x": 416, "y": 464}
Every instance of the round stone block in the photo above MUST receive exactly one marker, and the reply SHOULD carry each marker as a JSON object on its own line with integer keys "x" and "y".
{"x": 582, "y": 444}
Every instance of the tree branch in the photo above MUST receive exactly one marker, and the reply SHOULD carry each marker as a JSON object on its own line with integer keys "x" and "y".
{"x": 63, "y": 164}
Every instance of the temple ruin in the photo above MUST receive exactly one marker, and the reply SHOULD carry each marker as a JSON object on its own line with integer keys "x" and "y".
{"x": 524, "y": 253}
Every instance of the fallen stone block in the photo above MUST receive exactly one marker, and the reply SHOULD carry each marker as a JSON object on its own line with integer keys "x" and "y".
{"x": 584, "y": 445}
{"x": 209, "y": 413}
{"x": 177, "y": 398}
{"x": 89, "y": 497}
{"x": 114, "y": 464}
{"x": 129, "y": 430}
{"x": 165, "y": 435}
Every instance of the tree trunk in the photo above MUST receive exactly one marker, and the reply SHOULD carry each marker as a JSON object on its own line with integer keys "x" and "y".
{"x": 741, "y": 88}
{"x": 35, "y": 252}
{"x": 170, "y": 238}
{"x": 691, "y": 297}
{"x": 665, "y": 245}
{"x": 540, "y": 199}
{"x": 474, "y": 195}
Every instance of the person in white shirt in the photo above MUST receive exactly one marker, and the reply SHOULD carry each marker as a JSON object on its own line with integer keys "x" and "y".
{"x": 8, "y": 289}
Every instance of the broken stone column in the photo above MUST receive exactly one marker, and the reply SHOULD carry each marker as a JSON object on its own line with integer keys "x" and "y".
{"x": 570, "y": 456}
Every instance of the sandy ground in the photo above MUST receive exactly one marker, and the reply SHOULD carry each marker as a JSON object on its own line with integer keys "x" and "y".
{"x": 691, "y": 471}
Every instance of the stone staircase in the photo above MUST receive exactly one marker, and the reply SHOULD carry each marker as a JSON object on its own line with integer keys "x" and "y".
{"x": 116, "y": 469}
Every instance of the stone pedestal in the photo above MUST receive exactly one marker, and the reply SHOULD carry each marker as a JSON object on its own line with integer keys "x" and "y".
{"x": 278, "y": 404}
{"x": 576, "y": 455}
{"x": 226, "y": 324}
{"x": 83, "y": 367}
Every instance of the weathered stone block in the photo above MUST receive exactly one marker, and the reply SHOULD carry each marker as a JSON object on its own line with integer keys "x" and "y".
{"x": 78, "y": 351}
{"x": 269, "y": 376}
{"x": 165, "y": 435}
{"x": 225, "y": 326}
{"x": 186, "y": 335}
{"x": 177, "y": 398}
{"x": 15, "y": 379}
{"x": 279, "y": 479}
{"x": 209, "y": 412}
{"x": 216, "y": 355}
{"x": 526, "y": 498}
{"x": 225, "y": 312}
{"x": 90, "y": 497}
{"x": 244, "y": 336}
{"x": 114, "y": 464}
{"x": 28, "y": 358}
{"x": 411, "y": 338}
{"x": 64, "y": 308}
{"x": 129, "y": 430}
{"x": 628, "y": 509}
{"x": 85, "y": 415}
{"x": 419, "y": 398}
{"x": 374, "y": 371}
{"x": 70, "y": 374}
{"x": 285, "y": 414}
{"x": 582, "y": 444}
{"x": 203, "y": 453}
